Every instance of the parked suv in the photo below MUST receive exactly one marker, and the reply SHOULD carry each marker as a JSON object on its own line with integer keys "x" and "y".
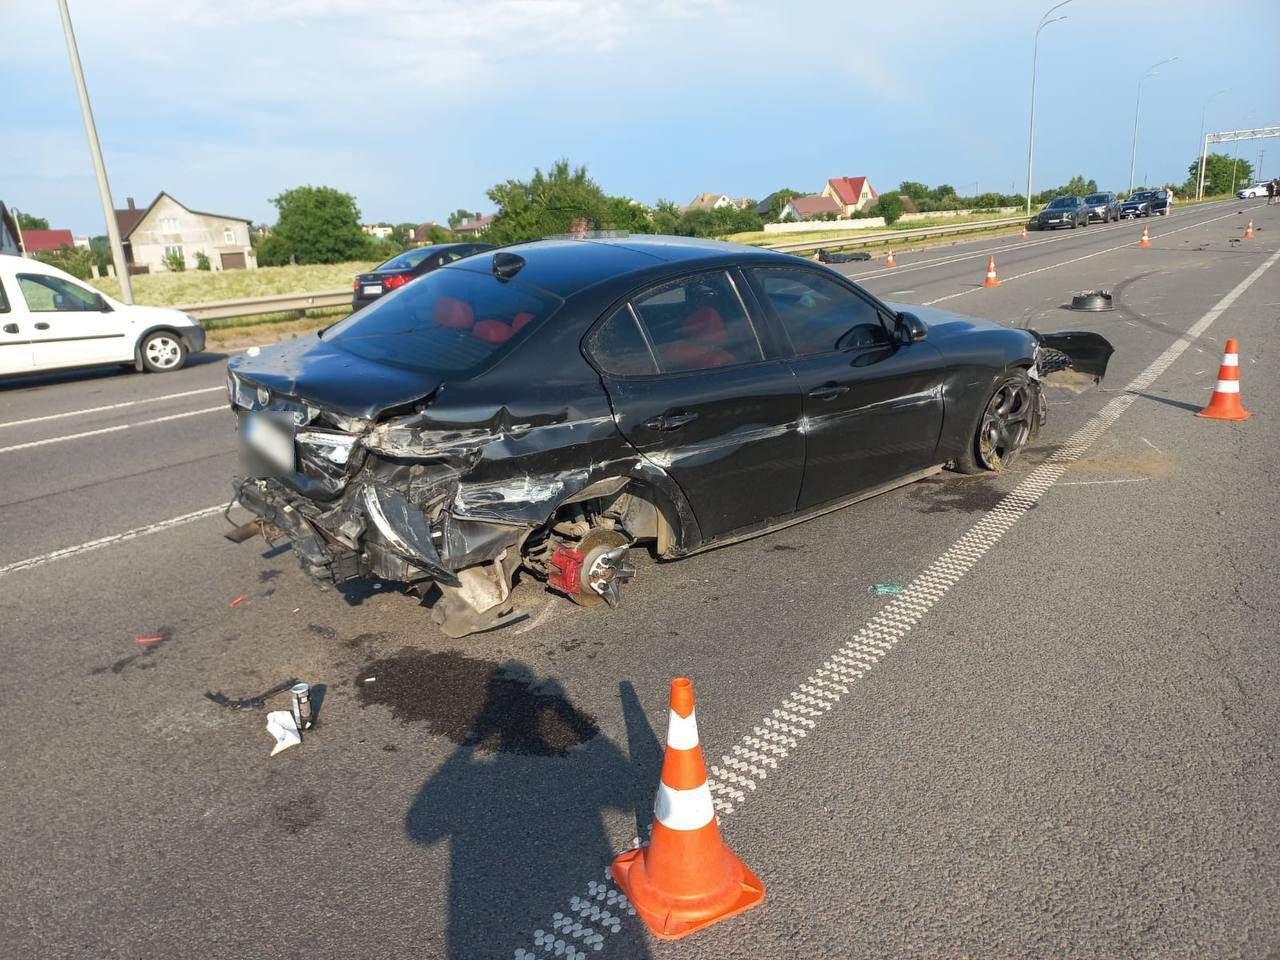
{"x": 1103, "y": 206}
{"x": 50, "y": 320}
{"x": 1064, "y": 212}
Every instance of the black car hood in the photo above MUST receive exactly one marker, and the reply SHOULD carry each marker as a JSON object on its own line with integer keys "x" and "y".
{"x": 326, "y": 376}
{"x": 943, "y": 324}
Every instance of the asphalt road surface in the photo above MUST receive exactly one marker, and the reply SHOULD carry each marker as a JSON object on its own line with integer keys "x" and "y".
{"x": 1061, "y": 742}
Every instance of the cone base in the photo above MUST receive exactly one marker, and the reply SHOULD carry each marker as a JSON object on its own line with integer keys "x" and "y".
{"x": 671, "y": 918}
{"x": 1209, "y": 413}
{"x": 991, "y": 283}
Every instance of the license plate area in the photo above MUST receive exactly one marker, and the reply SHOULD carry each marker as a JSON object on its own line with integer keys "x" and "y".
{"x": 271, "y": 438}
{"x": 372, "y": 290}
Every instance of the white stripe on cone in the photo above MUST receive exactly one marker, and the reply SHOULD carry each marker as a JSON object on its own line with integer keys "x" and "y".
{"x": 1231, "y": 359}
{"x": 684, "y": 809}
{"x": 1228, "y": 386}
{"x": 682, "y": 732}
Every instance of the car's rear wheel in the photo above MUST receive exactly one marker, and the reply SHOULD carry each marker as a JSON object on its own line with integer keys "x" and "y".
{"x": 1010, "y": 418}
{"x": 163, "y": 351}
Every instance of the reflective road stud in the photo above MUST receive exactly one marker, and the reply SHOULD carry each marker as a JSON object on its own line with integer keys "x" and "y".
{"x": 1225, "y": 402}
{"x": 685, "y": 878}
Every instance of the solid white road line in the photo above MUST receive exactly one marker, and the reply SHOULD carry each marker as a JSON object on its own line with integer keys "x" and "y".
{"x": 116, "y": 429}
{"x": 110, "y": 406}
{"x": 115, "y": 538}
{"x": 782, "y": 728}
{"x": 1087, "y": 256}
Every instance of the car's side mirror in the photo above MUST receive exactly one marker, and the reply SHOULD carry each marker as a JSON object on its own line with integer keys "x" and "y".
{"x": 911, "y": 329}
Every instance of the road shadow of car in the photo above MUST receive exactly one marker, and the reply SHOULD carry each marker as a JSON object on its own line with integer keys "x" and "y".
{"x": 522, "y": 799}
{"x": 26, "y": 381}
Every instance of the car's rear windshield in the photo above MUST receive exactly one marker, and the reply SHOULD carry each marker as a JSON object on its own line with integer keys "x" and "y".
{"x": 1096, "y": 198}
{"x": 449, "y": 321}
{"x": 407, "y": 260}
{"x": 1140, "y": 195}
{"x": 1061, "y": 202}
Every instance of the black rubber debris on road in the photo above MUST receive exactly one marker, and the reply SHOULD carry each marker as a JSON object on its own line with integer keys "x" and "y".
{"x": 494, "y": 708}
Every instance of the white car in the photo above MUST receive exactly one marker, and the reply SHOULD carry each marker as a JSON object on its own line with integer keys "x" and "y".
{"x": 1256, "y": 190}
{"x": 50, "y": 320}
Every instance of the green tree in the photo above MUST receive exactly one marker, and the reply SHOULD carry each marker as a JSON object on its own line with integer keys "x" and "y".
{"x": 27, "y": 222}
{"x": 402, "y": 234}
{"x": 623, "y": 213}
{"x": 458, "y": 216}
{"x": 1220, "y": 171}
{"x": 890, "y": 207}
{"x": 202, "y": 261}
{"x": 74, "y": 260}
{"x": 439, "y": 234}
{"x": 272, "y": 250}
{"x": 777, "y": 200}
{"x": 319, "y": 225}
{"x": 916, "y": 191}
{"x": 667, "y": 219}
{"x": 100, "y": 247}
{"x": 553, "y": 202}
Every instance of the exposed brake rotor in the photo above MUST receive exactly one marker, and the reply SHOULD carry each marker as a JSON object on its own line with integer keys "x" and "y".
{"x": 604, "y": 567}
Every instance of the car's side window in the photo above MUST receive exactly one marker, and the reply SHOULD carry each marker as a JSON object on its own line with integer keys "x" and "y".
{"x": 46, "y": 294}
{"x": 4, "y": 300}
{"x": 619, "y": 347}
{"x": 819, "y": 314}
{"x": 698, "y": 323}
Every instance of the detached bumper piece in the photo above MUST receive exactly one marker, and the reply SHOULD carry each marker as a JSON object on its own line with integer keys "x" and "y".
{"x": 375, "y": 532}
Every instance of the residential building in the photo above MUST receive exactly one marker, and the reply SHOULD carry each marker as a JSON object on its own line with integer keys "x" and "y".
{"x": 472, "y": 227}
{"x": 708, "y": 201}
{"x": 37, "y": 241}
{"x": 168, "y": 227}
{"x": 379, "y": 230}
{"x": 422, "y": 232}
{"x": 812, "y": 207}
{"x": 9, "y": 232}
{"x": 853, "y": 194}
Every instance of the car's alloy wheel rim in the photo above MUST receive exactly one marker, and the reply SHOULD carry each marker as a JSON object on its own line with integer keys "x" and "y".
{"x": 1006, "y": 425}
{"x": 163, "y": 352}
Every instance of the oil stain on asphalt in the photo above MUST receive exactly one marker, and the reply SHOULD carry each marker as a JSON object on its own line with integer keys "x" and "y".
{"x": 491, "y": 707}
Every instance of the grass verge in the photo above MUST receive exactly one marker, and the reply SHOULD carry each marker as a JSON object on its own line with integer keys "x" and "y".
{"x": 201, "y": 286}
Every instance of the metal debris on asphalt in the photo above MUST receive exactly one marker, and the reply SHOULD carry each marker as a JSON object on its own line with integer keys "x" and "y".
{"x": 300, "y": 702}
{"x": 280, "y": 725}
{"x": 148, "y": 641}
{"x": 239, "y": 600}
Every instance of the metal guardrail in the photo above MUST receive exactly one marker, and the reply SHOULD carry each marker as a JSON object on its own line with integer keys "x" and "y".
{"x": 861, "y": 238}
{"x": 275, "y": 303}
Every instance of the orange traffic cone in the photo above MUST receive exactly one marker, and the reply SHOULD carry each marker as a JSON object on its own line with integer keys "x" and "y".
{"x": 1225, "y": 402}
{"x": 1146, "y": 237}
{"x": 889, "y": 262}
{"x": 1024, "y": 232}
{"x": 992, "y": 280}
{"x": 1248, "y": 231}
{"x": 685, "y": 878}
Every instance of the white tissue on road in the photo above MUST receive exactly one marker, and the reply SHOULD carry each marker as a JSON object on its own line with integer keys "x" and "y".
{"x": 280, "y": 724}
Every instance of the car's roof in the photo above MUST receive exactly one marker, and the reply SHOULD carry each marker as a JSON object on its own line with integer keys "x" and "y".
{"x": 566, "y": 266}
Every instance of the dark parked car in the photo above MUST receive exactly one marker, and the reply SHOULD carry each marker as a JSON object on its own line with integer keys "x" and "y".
{"x": 1103, "y": 206}
{"x": 551, "y": 405}
{"x": 1139, "y": 204}
{"x": 403, "y": 267}
{"x": 1063, "y": 212}
{"x": 1161, "y": 202}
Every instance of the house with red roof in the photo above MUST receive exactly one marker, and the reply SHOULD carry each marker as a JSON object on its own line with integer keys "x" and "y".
{"x": 38, "y": 241}
{"x": 853, "y": 194}
{"x": 812, "y": 207}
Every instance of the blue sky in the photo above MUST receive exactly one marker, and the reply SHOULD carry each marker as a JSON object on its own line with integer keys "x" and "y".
{"x": 417, "y": 107}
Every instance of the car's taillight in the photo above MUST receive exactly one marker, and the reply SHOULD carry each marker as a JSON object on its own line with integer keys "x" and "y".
{"x": 396, "y": 280}
{"x": 355, "y": 284}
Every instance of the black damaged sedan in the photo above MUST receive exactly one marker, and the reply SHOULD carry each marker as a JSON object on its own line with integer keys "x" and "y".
{"x": 550, "y": 405}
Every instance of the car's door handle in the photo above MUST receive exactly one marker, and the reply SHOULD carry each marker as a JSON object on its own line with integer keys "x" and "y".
{"x": 10, "y": 328}
{"x": 42, "y": 325}
{"x": 671, "y": 421}
{"x": 828, "y": 391}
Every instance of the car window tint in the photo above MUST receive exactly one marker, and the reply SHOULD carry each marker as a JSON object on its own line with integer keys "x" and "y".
{"x": 45, "y": 294}
{"x": 819, "y": 314}
{"x": 618, "y": 346}
{"x": 698, "y": 323}
{"x": 407, "y": 260}
{"x": 4, "y": 300}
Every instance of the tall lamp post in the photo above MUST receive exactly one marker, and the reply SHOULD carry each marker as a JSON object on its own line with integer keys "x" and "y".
{"x": 1035, "y": 57}
{"x": 1133, "y": 154}
{"x": 95, "y": 149}
{"x": 1204, "y": 144}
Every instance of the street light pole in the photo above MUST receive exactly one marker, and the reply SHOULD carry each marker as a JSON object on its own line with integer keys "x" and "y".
{"x": 1204, "y": 144}
{"x": 1133, "y": 154}
{"x": 99, "y": 169}
{"x": 1035, "y": 57}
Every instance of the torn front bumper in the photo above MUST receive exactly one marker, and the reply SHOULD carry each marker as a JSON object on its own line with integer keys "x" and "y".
{"x": 1086, "y": 353}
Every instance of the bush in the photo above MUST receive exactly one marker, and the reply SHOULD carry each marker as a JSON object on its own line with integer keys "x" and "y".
{"x": 174, "y": 262}
{"x": 74, "y": 260}
{"x": 202, "y": 261}
{"x": 890, "y": 207}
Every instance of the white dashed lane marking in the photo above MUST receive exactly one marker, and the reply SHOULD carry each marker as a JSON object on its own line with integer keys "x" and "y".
{"x": 116, "y": 429}
{"x": 110, "y": 406}
{"x": 785, "y": 726}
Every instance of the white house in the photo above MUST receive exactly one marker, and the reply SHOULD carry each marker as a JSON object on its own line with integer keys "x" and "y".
{"x": 168, "y": 227}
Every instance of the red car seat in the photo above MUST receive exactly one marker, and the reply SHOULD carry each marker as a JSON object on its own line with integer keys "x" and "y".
{"x": 454, "y": 313}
